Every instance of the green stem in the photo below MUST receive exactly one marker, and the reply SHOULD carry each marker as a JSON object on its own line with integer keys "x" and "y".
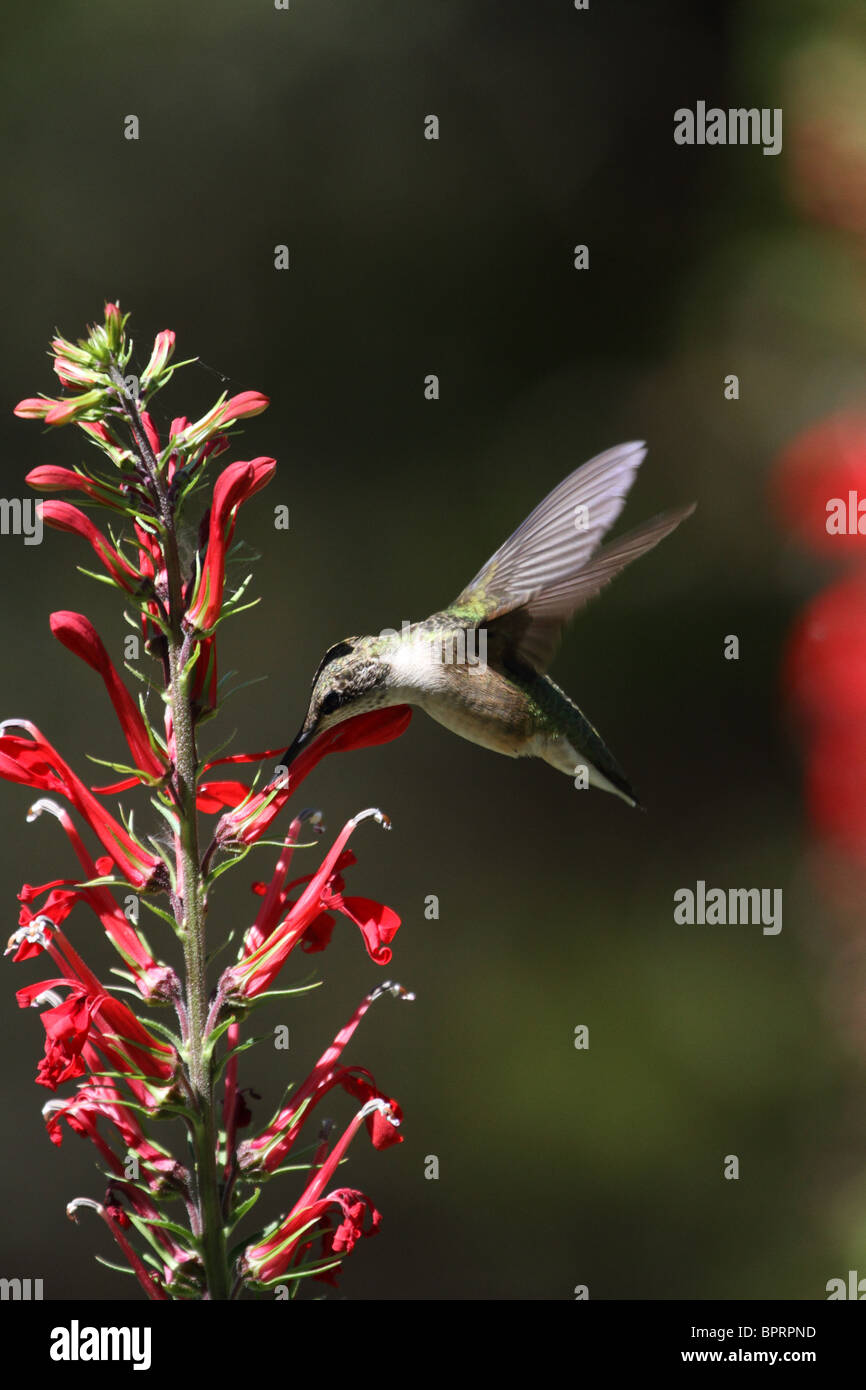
{"x": 188, "y": 900}
{"x": 191, "y": 906}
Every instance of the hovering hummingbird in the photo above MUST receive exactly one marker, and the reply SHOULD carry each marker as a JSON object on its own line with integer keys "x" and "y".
{"x": 479, "y": 666}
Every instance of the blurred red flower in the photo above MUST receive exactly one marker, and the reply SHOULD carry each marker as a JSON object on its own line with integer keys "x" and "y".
{"x": 825, "y": 463}
{"x": 824, "y": 665}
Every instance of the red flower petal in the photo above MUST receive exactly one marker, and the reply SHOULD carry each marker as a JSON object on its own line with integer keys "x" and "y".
{"x": 78, "y": 634}
{"x": 64, "y": 517}
{"x": 235, "y": 485}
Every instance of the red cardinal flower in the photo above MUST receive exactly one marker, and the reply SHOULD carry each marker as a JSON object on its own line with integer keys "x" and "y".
{"x": 276, "y": 893}
{"x": 62, "y": 412}
{"x": 48, "y": 478}
{"x": 125, "y": 1071}
{"x": 115, "y": 1220}
{"x": 241, "y": 407}
{"x": 820, "y": 488}
{"x": 74, "y": 375}
{"x": 224, "y": 414}
{"x": 215, "y": 796}
{"x": 114, "y": 321}
{"x": 824, "y": 674}
{"x": 64, "y": 517}
{"x": 78, "y": 634}
{"x": 36, "y": 763}
{"x": 91, "y": 1018}
{"x": 814, "y": 481}
{"x": 825, "y": 663}
{"x": 266, "y": 1260}
{"x": 163, "y": 351}
{"x": 835, "y": 769}
{"x": 100, "y": 1100}
{"x": 235, "y": 484}
{"x": 155, "y": 981}
{"x": 33, "y": 408}
{"x": 263, "y": 960}
{"x": 269, "y": 1149}
{"x": 256, "y": 810}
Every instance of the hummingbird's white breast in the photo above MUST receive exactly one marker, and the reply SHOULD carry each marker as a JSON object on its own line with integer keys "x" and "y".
{"x": 430, "y": 669}
{"x": 415, "y": 664}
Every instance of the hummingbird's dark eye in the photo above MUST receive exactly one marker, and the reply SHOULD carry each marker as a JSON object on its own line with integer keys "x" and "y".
{"x": 330, "y": 702}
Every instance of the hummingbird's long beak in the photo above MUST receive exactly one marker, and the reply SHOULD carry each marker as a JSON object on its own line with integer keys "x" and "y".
{"x": 299, "y": 742}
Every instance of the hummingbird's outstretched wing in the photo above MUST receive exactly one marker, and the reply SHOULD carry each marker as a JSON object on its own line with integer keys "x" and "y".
{"x": 530, "y": 630}
{"x": 563, "y": 531}
{"x": 552, "y": 564}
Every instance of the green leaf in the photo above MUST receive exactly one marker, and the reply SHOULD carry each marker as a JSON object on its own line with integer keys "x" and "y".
{"x": 214, "y": 874}
{"x": 290, "y": 1168}
{"x": 162, "y": 854}
{"x": 283, "y": 993}
{"x": 166, "y": 1032}
{"x": 232, "y": 612}
{"x": 159, "y": 912}
{"x": 183, "y": 1234}
{"x": 236, "y": 1051}
{"x": 301, "y": 1272}
{"x": 215, "y": 953}
{"x": 120, "y": 989}
{"x": 239, "y": 591}
{"x": 281, "y": 844}
{"x": 102, "y": 578}
{"x": 106, "y": 880}
{"x": 216, "y": 1033}
{"x": 240, "y": 1212}
{"x": 139, "y": 675}
{"x": 109, "y": 1264}
{"x": 244, "y": 685}
{"x": 167, "y": 814}
{"x": 125, "y": 770}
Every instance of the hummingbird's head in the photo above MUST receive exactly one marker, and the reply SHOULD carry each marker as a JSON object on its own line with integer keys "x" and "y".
{"x": 351, "y": 679}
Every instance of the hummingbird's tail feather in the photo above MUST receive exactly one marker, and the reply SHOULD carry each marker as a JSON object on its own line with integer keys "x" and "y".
{"x": 624, "y": 791}
{"x": 570, "y": 742}
{"x": 606, "y": 774}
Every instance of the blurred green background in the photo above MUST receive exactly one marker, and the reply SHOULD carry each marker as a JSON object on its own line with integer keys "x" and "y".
{"x": 305, "y": 127}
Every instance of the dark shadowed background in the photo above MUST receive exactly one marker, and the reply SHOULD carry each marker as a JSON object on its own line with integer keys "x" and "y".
{"x": 258, "y": 127}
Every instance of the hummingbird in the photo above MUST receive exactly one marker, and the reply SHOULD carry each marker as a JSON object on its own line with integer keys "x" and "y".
{"x": 480, "y": 665}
